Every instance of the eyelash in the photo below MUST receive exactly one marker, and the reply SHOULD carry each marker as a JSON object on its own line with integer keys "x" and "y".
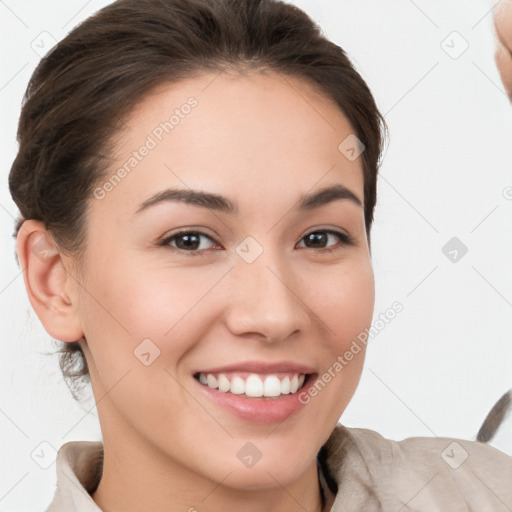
{"x": 343, "y": 237}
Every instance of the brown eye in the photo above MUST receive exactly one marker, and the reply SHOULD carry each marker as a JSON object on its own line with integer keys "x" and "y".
{"x": 187, "y": 241}
{"x": 319, "y": 238}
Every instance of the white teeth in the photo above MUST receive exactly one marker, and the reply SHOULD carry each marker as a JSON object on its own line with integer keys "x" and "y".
{"x": 254, "y": 385}
{"x": 272, "y": 386}
{"x": 294, "y": 384}
{"x": 285, "y": 385}
{"x": 223, "y": 383}
{"x": 212, "y": 381}
{"x": 237, "y": 386}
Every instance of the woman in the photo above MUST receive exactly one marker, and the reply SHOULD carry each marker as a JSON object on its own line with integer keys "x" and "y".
{"x": 196, "y": 182}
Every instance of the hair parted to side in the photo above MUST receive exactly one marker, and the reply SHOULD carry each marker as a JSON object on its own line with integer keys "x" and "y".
{"x": 80, "y": 92}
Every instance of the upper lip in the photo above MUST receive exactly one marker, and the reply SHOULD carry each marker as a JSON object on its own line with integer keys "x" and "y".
{"x": 261, "y": 367}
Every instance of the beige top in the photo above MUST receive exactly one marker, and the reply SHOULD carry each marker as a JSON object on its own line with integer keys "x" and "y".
{"x": 359, "y": 470}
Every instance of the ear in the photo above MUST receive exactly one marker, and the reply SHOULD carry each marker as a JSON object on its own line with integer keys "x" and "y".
{"x": 51, "y": 289}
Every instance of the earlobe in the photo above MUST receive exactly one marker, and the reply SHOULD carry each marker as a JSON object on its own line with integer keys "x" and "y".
{"x": 50, "y": 288}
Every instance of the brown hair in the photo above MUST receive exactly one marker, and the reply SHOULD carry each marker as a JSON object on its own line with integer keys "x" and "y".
{"x": 80, "y": 92}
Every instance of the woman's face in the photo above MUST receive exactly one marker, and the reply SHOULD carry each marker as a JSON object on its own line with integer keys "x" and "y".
{"x": 268, "y": 282}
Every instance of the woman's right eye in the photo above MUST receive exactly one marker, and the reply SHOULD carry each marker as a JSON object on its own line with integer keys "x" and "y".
{"x": 187, "y": 241}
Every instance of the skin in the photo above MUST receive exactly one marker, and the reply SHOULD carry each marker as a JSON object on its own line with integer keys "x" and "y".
{"x": 503, "y": 26}
{"x": 262, "y": 140}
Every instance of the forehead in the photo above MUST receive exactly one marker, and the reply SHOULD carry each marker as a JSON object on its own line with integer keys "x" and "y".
{"x": 255, "y": 134}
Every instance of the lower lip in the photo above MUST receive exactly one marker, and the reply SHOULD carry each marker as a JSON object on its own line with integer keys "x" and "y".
{"x": 258, "y": 409}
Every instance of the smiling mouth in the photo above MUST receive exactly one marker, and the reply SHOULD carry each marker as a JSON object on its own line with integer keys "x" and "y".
{"x": 254, "y": 385}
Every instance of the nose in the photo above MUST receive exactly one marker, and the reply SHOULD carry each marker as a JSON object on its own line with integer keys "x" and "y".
{"x": 267, "y": 299}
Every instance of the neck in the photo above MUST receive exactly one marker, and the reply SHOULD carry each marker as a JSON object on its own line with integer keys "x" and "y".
{"x": 137, "y": 476}
{"x": 144, "y": 486}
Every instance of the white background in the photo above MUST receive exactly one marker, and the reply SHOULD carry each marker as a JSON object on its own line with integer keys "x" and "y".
{"x": 440, "y": 365}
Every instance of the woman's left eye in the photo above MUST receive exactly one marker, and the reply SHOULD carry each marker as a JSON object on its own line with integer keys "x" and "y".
{"x": 190, "y": 241}
{"x": 321, "y": 236}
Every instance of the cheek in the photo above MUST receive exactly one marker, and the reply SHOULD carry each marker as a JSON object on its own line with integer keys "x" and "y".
{"x": 138, "y": 327}
{"x": 347, "y": 309}
{"x": 152, "y": 304}
{"x": 146, "y": 323}
{"x": 345, "y": 304}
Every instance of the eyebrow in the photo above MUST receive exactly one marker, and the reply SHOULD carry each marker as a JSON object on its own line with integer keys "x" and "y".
{"x": 220, "y": 203}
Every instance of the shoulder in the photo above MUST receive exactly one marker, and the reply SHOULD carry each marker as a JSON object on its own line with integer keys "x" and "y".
{"x": 79, "y": 466}
{"x": 420, "y": 472}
